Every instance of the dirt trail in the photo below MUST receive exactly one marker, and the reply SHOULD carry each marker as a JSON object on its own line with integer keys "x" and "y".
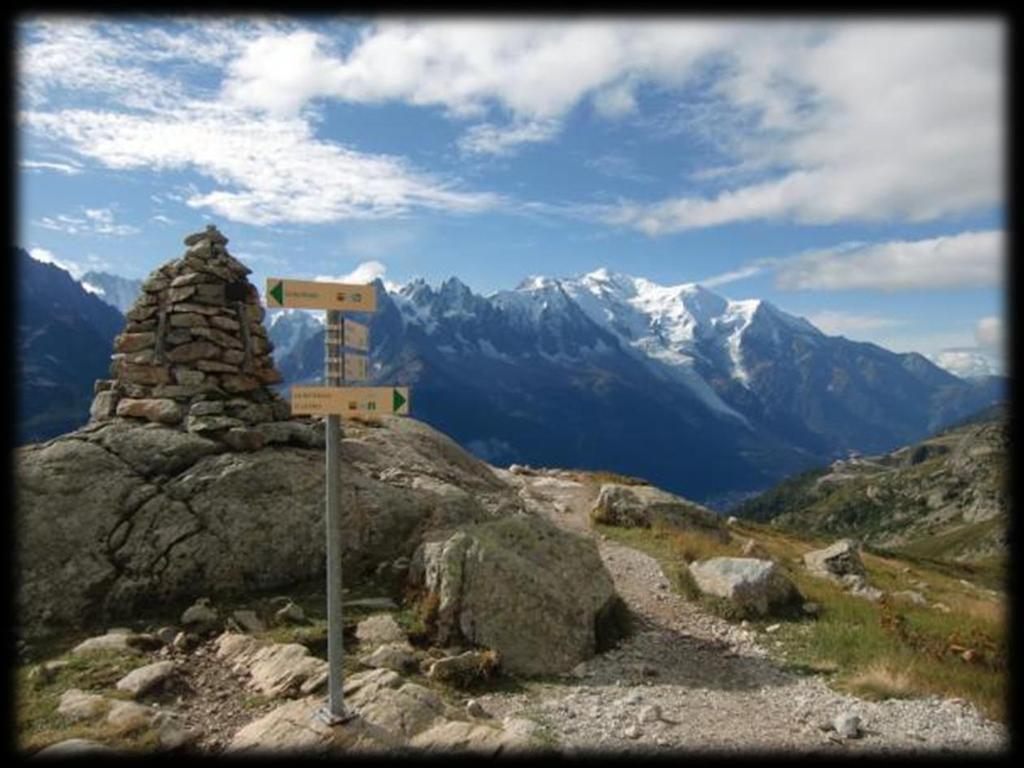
{"x": 712, "y": 682}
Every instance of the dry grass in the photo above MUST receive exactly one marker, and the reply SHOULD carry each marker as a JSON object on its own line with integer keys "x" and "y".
{"x": 601, "y": 476}
{"x": 882, "y": 680}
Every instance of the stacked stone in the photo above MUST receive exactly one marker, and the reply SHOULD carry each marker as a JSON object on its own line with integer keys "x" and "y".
{"x": 195, "y": 353}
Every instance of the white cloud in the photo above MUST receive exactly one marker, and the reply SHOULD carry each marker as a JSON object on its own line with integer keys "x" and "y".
{"x": 965, "y": 362}
{"x": 732, "y": 276}
{"x": 989, "y": 333}
{"x": 366, "y": 272}
{"x": 851, "y": 324}
{"x": 48, "y": 257}
{"x": 490, "y": 139}
{"x": 533, "y": 72}
{"x": 40, "y": 165}
{"x": 862, "y": 121}
{"x": 615, "y": 102}
{"x": 963, "y": 260}
{"x": 265, "y": 169}
{"x": 837, "y": 121}
{"x": 99, "y": 221}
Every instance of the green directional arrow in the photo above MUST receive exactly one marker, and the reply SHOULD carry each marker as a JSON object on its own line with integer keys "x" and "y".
{"x": 397, "y": 400}
{"x": 278, "y": 293}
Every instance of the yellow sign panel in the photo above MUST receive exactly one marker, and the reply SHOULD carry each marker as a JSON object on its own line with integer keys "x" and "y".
{"x": 357, "y": 335}
{"x": 350, "y": 401}
{"x": 307, "y": 294}
{"x": 356, "y": 367}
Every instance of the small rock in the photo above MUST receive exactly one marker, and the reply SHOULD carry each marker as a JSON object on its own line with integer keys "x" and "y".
{"x": 812, "y": 609}
{"x": 847, "y": 725}
{"x": 395, "y": 656}
{"x": 200, "y": 614}
{"x": 631, "y": 732}
{"x": 379, "y": 629}
{"x": 650, "y": 714}
{"x": 71, "y": 747}
{"x": 184, "y": 641}
{"x": 248, "y": 621}
{"x": 475, "y": 709}
{"x": 166, "y": 635}
{"x": 290, "y": 614}
{"x": 78, "y": 705}
{"x": 772, "y": 629}
{"x": 171, "y": 732}
{"x": 129, "y": 716}
{"x": 140, "y": 681}
{"x": 105, "y": 643}
{"x": 463, "y": 669}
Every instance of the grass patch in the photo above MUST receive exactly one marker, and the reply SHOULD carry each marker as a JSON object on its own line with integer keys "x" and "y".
{"x": 38, "y": 723}
{"x": 885, "y": 649}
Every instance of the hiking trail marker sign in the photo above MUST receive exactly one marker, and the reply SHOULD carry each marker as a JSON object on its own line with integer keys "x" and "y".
{"x": 309, "y": 294}
{"x": 335, "y": 401}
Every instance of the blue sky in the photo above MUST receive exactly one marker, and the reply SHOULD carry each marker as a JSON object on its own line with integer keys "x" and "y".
{"x": 850, "y": 171}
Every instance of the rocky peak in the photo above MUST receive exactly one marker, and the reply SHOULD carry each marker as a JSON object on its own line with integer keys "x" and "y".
{"x": 194, "y": 353}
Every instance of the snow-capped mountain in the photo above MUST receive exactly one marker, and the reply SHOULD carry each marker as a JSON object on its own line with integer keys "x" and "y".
{"x": 678, "y": 384}
{"x": 288, "y": 328}
{"x": 118, "y": 292}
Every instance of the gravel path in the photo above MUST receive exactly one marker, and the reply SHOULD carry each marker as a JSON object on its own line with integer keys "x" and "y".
{"x": 690, "y": 681}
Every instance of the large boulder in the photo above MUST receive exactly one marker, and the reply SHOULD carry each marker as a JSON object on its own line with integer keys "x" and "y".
{"x": 520, "y": 586}
{"x": 754, "y": 585}
{"x": 118, "y": 515}
{"x": 640, "y": 506}
{"x": 836, "y": 561}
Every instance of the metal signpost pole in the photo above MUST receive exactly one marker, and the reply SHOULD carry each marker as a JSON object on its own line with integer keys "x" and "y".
{"x": 331, "y": 400}
{"x": 336, "y": 712}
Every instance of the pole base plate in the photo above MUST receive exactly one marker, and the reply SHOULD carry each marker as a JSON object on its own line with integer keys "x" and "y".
{"x": 325, "y": 716}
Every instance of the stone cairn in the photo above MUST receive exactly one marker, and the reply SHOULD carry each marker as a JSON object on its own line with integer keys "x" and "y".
{"x": 194, "y": 353}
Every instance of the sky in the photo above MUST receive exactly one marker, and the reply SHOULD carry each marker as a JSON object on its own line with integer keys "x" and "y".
{"x": 850, "y": 171}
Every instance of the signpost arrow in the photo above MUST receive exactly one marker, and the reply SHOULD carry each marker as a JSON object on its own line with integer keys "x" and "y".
{"x": 277, "y": 293}
{"x": 357, "y": 401}
{"x": 307, "y": 294}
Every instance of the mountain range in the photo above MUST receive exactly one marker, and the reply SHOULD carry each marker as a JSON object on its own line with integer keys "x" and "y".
{"x": 708, "y": 397}
{"x": 64, "y": 339}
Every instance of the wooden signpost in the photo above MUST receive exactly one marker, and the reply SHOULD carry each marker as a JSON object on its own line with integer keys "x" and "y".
{"x": 334, "y": 401}
{"x": 308, "y": 294}
{"x": 361, "y": 401}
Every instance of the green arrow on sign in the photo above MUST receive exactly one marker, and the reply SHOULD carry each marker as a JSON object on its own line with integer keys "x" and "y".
{"x": 278, "y": 293}
{"x": 397, "y": 400}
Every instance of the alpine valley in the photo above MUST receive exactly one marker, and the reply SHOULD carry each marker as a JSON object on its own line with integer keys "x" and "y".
{"x": 711, "y": 398}
{"x": 708, "y": 397}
